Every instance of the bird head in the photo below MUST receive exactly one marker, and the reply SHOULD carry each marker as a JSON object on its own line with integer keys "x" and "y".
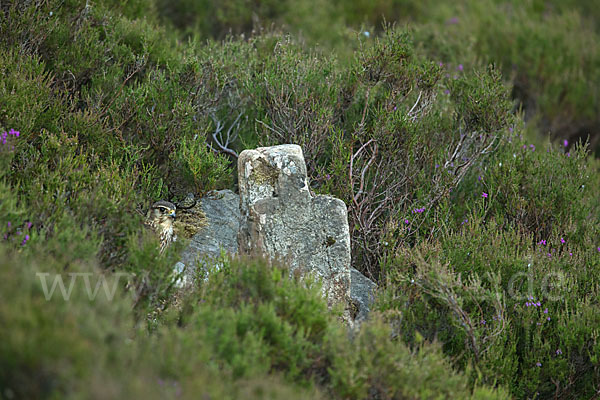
{"x": 162, "y": 213}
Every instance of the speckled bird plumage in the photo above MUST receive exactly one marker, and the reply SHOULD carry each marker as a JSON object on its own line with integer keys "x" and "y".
{"x": 160, "y": 219}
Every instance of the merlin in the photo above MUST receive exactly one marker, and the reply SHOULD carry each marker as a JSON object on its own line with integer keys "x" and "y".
{"x": 160, "y": 219}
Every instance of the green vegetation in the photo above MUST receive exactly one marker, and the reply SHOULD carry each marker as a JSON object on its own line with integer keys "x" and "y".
{"x": 457, "y": 137}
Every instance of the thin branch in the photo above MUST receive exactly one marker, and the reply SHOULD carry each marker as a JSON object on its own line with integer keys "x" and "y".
{"x": 218, "y": 139}
{"x": 410, "y": 112}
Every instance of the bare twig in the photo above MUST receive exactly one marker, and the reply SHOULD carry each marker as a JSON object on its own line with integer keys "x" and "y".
{"x": 230, "y": 136}
{"x": 410, "y": 112}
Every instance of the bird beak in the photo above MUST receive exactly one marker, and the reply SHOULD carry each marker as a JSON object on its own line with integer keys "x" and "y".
{"x": 172, "y": 214}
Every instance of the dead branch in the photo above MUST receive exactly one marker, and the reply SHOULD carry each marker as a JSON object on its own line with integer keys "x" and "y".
{"x": 223, "y": 141}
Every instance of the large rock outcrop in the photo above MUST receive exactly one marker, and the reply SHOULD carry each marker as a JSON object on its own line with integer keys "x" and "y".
{"x": 280, "y": 219}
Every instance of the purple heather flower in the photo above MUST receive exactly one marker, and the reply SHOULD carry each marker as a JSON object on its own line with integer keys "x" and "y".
{"x": 465, "y": 221}
{"x": 395, "y": 108}
{"x": 538, "y": 324}
{"x": 29, "y": 224}
{"x": 460, "y": 67}
{"x": 538, "y": 304}
{"x": 532, "y": 147}
{"x": 527, "y": 304}
{"x": 510, "y": 129}
{"x": 570, "y": 253}
{"x": 545, "y": 311}
{"x": 9, "y": 224}
{"x": 447, "y": 91}
{"x": 406, "y": 221}
{"x": 452, "y": 21}
{"x": 437, "y": 165}
{"x": 479, "y": 178}
{"x": 441, "y": 64}
{"x": 598, "y": 248}
{"x": 563, "y": 241}
{"x": 565, "y": 142}
{"x": 548, "y": 318}
{"x": 542, "y": 242}
{"x": 539, "y": 364}
{"x": 483, "y": 321}
{"x": 484, "y": 195}
{"x": 558, "y": 352}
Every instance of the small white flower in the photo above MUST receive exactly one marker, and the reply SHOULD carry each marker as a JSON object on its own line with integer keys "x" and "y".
{"x": 499, "y": 164}
{"x": 412, "y": 281}
{"x": 366, "y": 33}
{"x": 51, "y": 13}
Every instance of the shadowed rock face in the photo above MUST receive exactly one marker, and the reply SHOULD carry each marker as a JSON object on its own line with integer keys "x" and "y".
{"x": 222, "y": 209}
{"x": 280, "y": 219}
{"x": 362, "y": 292}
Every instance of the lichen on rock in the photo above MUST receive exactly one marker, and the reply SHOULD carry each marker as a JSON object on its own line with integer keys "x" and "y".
{"x": 280, "y": 219}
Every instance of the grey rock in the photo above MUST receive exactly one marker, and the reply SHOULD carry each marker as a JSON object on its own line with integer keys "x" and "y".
{"x": 280, "y": 219}
{"x": 362, "y": 293}
{"x": 220, "y": 235}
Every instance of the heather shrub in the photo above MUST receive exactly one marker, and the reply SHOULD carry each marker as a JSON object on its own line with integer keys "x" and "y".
{"x": 484, "y": 246}
{"x": 252, "y": 331}
{"x": 548, "y": 54}
{"x": 98, "y": 136}
{"x": 411, "y": 137}
{"x": 260, "y": 320}
{"x": 506, "y": 284}
{"x": 316, "y": 22}
{"x": 296, "y": 96}
{"x": 367, "y": 368}
{"x": 79, "y": 341}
